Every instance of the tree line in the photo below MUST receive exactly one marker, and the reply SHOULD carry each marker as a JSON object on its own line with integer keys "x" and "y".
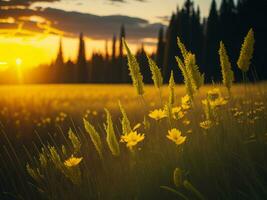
{"x": 228, "y": 22}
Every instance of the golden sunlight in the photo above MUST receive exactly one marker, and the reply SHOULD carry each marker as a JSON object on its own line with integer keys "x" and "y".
{"x": 18, "y": 62}
{"x": 42, "y": 49}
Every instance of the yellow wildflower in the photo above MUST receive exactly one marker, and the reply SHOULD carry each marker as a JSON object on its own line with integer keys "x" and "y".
{"x": 72, "y": 161}
{"x": 157, "y": 114}
{"x": 177, "y": 113}
{"x": 62, "y": 114}
{"x": 189, "y": 131}
{"x": 206, "y": 124}
{"x": 186, "y": 122}
{"x": 214, "y": 94}
{"x": 186, "y": 102}
{"x": 131, "y": 139}
{"x": 218, "y": 102}
{"x": 176, "y": 109}
{"x": 259, "y": 103}
{"x": 215, "y": 98}
{"x": 175, "y": 136}
{"x": 238, "y": 114}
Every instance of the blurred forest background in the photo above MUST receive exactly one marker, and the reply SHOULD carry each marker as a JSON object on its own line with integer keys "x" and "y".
{"x": 228, "y": 22}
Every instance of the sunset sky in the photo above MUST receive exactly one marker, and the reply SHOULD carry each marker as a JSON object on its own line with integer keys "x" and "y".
{"x": 30, "y": 29}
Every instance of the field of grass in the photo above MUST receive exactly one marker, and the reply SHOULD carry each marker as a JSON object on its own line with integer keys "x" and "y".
{"x": 224, "y": 161}
{"x": 193, "y": 141}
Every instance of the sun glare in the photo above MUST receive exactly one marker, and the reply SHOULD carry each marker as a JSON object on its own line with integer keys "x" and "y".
{"x": 3, "y": 63}
{"x": 18, "y": 61}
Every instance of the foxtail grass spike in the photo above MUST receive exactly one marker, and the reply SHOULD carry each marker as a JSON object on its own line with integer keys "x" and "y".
{"x": 111, "y": 137}
{"x": 134, "y": 69}
{"x": 156, "y": 73}
{"x": 74, "y": 141}
{"x": 94, "y": 135}
{"x": 193, "y": 79}
{"x": 171, "y": 89}
{"x": 226, "y": 67}
{"x": 34, "y": 173}
{"x": 193, "y": 71}
{"x": 246, "y": 52}
{"x": 125, "y": 123}
{"x": 182, "y": 48}
{"x": 187, "y": 80}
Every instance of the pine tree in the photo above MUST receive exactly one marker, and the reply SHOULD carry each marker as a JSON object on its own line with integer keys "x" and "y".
{"x": 124, "y": 77}
{"x": 227, "y": 21}
{"x": 106, "y": 51}
{"x": 212, "y": 44}
{"x": 170, "y": 49}
{"x": 59, "y": 65}
{"x": 82, "y": 71}
{"x": 106, "y": 64}
{"x": 59, "y": 59}
{"x": 114, "y": 41}
{"x": 122, "y": 35}
{"x": 144, "y": 66}
{"x": 114, "y": 71}
{"x": 98, "y": 68}
{"x": 187, "y": 33}
{"x": 197, "y": 35}
{"x": 160, "y": 48}
{"x": 69, "y": 71}
{"x": 229, "y": 28}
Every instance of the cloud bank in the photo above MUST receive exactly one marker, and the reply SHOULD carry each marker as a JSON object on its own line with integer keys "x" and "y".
{"x": 56, "y": 21}
{"x": 21, "y": 2}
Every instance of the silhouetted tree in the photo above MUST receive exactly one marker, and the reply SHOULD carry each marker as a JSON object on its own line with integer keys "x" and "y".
{"x": 160, "y": 48}
{"x": 201, "y": 36}
{"x": 122, "y": 62}
{"x": 59, "y": 73}
{"x": 144, "y": 68}
{"x": 98, "y": 68}
{"x": 82, "y": 71}
{"x": 69, "y": 72}
{"x": 106, "y": 51}
{"x": 113, "y": 68}
{"x": 122, "y": 35}
{"x": 170, "y": 49}
{"x": 185, "y": 23}
{"x": 114, "y": 41}
{"x": 212, "y": 71}
{"x": 107, "y": 64}
{"x": 59, "y": 60}
{"x": 197, "y": 36}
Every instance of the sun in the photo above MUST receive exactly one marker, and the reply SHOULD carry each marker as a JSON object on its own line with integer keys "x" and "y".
{"x": 18, "y": 61}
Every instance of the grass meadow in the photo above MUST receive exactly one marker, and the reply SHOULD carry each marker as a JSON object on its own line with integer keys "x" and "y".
{"x": 190, "y": 141}
{"x": 225, "y": 161}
